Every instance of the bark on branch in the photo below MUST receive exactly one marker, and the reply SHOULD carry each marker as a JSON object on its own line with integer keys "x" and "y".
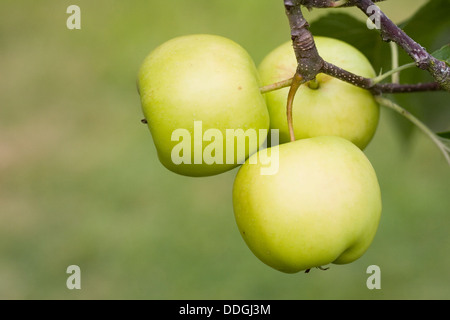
{"x": 391, "y": 32}
{"x": 330, "y": 3}
{"x": 310, "y": 63}
{"x": 376, "y": 88}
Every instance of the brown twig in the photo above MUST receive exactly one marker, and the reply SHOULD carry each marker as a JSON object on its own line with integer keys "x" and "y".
{"x": 310, "y": 63}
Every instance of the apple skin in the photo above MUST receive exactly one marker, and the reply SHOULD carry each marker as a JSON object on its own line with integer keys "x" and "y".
{"x": 204, "y": 78}
{"x": 335, "y": 108}
{"x": 322, "y": 206}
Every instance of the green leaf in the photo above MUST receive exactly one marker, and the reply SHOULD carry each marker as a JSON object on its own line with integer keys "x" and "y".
{"x": 443, "y": 54}
{"x": 355, "y": 32}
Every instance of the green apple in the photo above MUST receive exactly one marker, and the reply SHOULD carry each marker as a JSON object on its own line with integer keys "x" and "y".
{"x": 195, "y": 90}
{"x": 322, "y": 206}
{"x": 335, "y": 107}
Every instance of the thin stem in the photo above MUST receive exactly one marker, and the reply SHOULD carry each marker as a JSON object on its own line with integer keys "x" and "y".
{"x": 297, "y": 81}
{"x": 393, "y": 72}
{"x": 394, "y": 64}
{"x": 313, "y": 84}
{"x": 391, "y": 105}
{"x": 276, "y": 86}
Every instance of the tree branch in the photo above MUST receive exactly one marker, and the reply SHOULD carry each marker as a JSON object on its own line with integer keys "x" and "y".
{"x": 405, "y": 88}
{"x": 310, "y": 63}
{"x": 308, "y": 59}
{"x": 330, "y": 3}
{"x": 376, "y": 88}
{"x": 344, "y": 75}
{"x": 391, "y": 32}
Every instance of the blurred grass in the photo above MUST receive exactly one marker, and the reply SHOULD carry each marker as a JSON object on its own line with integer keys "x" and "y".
{"x": 80, "y": 182}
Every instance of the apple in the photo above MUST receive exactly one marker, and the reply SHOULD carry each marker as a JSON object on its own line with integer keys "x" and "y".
{"x": 322, "y": 206}
{"x": 194, "y": 91}
{"x": 334, "y": 108}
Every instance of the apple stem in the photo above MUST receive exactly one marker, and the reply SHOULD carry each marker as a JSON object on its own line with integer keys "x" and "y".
{"x": 296, "y": 82}
{"x": 276, "y": 86}
{"x": 314, "y": 84}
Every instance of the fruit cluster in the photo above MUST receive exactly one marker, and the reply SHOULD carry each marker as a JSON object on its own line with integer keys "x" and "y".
{"x": 319, "y": 202}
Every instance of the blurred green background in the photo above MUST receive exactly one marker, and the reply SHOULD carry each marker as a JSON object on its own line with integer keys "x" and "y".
{"x": 80, "y": 182}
